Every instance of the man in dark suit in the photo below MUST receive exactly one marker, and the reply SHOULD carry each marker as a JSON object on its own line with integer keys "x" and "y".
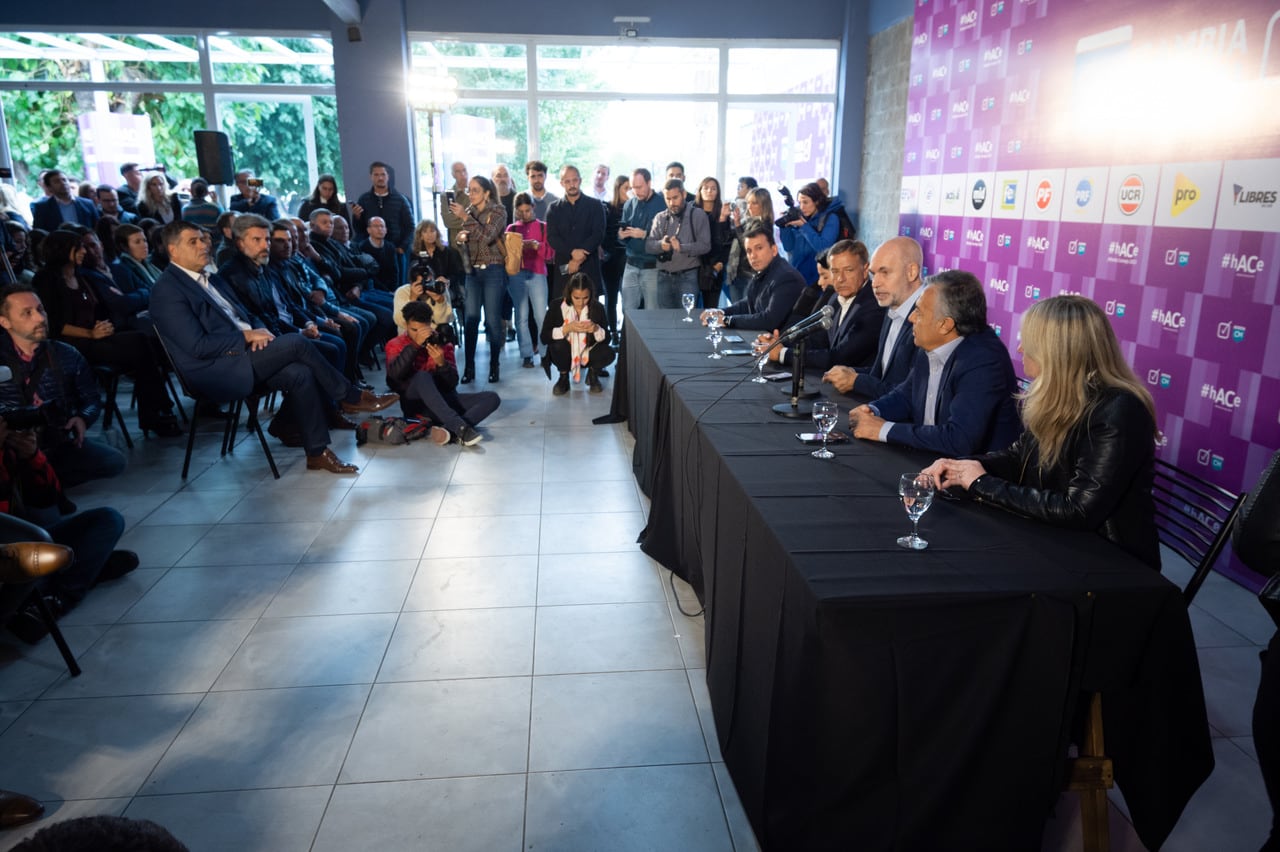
{"x": 851, "y": 340}
{"x": 896, "y": 285}
{"x": 773, "y": 289}
{"x": 221, "y": 355}
{"x": 958, "y": 399}
{"x": 60, "y": 206}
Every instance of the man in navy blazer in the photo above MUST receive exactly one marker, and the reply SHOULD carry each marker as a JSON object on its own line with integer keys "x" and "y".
{"x": 958, "y": 400}
{"x": 772, "y": 290}
{"x": 60, "y": 206}
{"x": 222, "y": 356}
{"x": 851, "y": 340}
{"x": 896, "y": 285}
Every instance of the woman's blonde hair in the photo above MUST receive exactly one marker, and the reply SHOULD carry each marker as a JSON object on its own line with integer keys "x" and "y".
{"x": 420, "y": 233}
{"x": 1071, "y": 340}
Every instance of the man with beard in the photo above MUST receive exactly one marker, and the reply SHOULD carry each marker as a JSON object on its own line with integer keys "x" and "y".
{"x": 575, "y": 228}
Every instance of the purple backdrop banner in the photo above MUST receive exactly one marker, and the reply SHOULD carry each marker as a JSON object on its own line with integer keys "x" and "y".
{"x": 1129, "y": 152}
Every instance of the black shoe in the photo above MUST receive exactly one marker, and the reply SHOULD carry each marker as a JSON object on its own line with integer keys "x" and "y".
{"x": 493, "y": 374}
{"x": 527, "y": 363}
{"x": 164, "y": 426}
{"x": 593, "y": 382}
{"x": 119, "y": 563}
{"x": 28, "y": 624}
{"x": 286, "y": 436}
{"x": 604, "y": 374}
{"x": 468, "y": 376}
{"x": 561, "y": 387}
{"x": 468, "y": 436}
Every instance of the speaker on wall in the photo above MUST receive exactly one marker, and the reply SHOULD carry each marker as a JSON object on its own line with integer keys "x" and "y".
{"x": 213, "y": 157}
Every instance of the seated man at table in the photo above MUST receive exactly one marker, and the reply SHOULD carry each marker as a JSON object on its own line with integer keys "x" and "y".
{"x": 958, "y": 399}
{"x": 773, "y": 289}
{"x": 223, "y": 357}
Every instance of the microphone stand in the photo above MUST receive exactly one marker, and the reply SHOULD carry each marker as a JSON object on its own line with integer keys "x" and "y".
{"x": 794, "y": 409}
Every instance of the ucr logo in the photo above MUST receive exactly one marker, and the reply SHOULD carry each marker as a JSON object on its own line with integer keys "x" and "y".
{"x": 1114, "y": 308}
{"x": 1044, "y": 195}
{"x": 1176, "y": 257}
{"x": 1130, "y": 195}
{"x": 1230, "y": 331}
{"x": 1078, "y": 247}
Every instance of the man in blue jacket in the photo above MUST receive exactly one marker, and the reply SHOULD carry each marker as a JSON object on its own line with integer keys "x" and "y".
{"x": 60, "y": 206}
{"x": 958, "y": 399}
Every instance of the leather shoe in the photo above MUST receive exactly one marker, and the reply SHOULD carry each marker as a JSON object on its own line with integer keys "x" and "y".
{"x": 17, "y": 809}
{"x": 24, "y": 561}
{"x": 285, "y": 435}
{"x": 337, "y": 421}
{"x": 328, "y": 461}
{"x": 370, "y": 402}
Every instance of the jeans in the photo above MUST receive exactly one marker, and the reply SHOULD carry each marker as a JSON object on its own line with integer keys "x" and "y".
{"x": 452, "y": 410}
{"x": 639, "y": 286}
{"x": 484, "y": 290}
{"x": 671, "y": 285}
{"x": 528, "y": 289}
{"x": 93, "y": 459}
{"x": 738, "y": 288}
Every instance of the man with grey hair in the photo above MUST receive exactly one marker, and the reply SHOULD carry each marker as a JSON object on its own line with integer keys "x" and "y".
{"x": 958, "y": 399}
{"x": 452, "y": 223}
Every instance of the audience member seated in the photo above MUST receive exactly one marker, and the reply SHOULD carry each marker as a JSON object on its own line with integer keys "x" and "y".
{"x": 817, "y": 228}
{"x": 575, "y": 337}
{"x": 421, "y": 367}
{"x": 384, "y": 254}
{"x": 325, "y": 195}
{"x": 224, "y": 246}
{"x": 251, "y": 199}
{"x": 1086, "y": 459}
{"x": 122, "y": 308}
{"x": 321, "y": 293}
{"x": 132, "y": 270}
{"x": 203, "y": 209}
{"x": 896, "y": 284}
{"x": 342, "y": 233}
{"x": 773, "y": 289}
{"x": 109, "y": 203}
{"x": 52, "y": 385}
{"x": 60, "y": 205}
{"x": 958, "y": 398}
{"x": 128, "y": 191}
{"x": 30, "y": 489}
{"x": 350, "y": 275}
{"x": 102, "y": 834}
{"x": 77, "y": 315}
{"x": 224, "y": 358}
{"x": 817, "y": 294}
{"x": 19, "y": 251}
{"x": 106, "y": 230}
{"x": 9, "y": 206}
{"x": 157, "y": 202}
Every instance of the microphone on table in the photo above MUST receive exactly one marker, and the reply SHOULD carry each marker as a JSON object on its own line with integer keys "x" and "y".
{"x": 822, "y": 318}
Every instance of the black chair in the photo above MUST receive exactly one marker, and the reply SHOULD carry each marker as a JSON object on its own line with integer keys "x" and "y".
{"x": 230, "y": 418}
{"x": 14, "y": 529}
{"x": 1194, "y": 518}
{"x": 109, "y": 380}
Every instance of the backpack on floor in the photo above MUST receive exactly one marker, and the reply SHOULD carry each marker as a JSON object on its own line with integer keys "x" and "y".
{"x": 390, "y": 430}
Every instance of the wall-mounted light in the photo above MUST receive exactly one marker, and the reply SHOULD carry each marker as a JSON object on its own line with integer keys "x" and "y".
{"x": 628, "y": 25}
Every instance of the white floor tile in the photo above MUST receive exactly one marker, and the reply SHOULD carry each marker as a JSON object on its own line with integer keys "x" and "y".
{"x": 605, "y": 638}
{"x": 210, "y": 592}
{"x": 460, "y": 643}
{"x": 283, "y": 820}
{"x": 309, "y": 651}
{"x": 625, "y": 577}
{"x": 474, "y": 582}
{"x": 343, "y": 588}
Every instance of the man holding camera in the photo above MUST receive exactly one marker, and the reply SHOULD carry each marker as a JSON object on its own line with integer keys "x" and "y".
{"x": 51, "y": 390}
{"x": 430, "y": 289}
{"x": 422, "y": 369}
{"x": 679, "y": 236}
{"x": 251, "y": 198}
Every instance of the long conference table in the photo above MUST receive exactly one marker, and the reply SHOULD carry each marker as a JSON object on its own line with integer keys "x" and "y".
{"x": 870, "y": 698}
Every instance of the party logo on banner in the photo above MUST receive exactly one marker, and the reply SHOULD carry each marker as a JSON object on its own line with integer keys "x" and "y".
{"x": 1010, "y": 194}
{"x": 953, "y": 192}
{"x": 909, "y": 199}
{"x": 979, "y": 198}
{"x": 1188, "y": 194}
{"x": 1130, "y": 195}
{"x": 1084, "y": 195}
{"x": 1248, "y": 198}
{"x": 1044, "y": 195}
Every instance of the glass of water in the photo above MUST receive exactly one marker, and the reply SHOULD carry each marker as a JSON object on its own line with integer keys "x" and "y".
{"x": 825, "y": 414}
{"x": 916, "y": 491}
{"x": 717, "y": 334}
{"x": 688, "y": 300}
{"x": 715, "y": 319}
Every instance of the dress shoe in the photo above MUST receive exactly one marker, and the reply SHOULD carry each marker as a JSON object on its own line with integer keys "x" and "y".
{"x": 493, "y": 375}
{"x": 17, "y": 809}
{"x": 287, "y": 436}
{"x": 24, "y": 561}
{"x": 337, "y": 421}
{"x": 369, "y": 402}
{"x": 561, "y": 387}
{"x": 164, "y": 426}
{"x": 328, "y": 461}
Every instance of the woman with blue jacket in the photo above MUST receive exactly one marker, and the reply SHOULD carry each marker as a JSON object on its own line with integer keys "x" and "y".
{"x": 817, "y": 228}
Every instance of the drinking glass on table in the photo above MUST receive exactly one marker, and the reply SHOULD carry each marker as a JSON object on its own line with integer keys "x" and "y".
{"x": 715, "y": 319}
{"x": 825, "y": 414}
{"x": 762, "y": 353}
{"x": 688, "y": 300}
{"x": 916, "y": 490}
{"x": 717, "y": 333}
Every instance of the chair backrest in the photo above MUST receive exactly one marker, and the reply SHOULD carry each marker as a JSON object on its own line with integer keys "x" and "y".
{"x": 1194, "y": 518}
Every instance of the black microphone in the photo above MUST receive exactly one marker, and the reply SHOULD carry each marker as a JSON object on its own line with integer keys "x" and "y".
{"x": 810, "y": 321}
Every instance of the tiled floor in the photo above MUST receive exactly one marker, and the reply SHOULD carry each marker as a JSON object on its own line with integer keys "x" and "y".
{"x": 415, "y": 658}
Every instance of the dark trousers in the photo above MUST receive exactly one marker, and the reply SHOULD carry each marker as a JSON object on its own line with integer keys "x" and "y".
{"x": 598, "y": 357}
{"x": 93, "y": 459}
{"x": 332, "y": 349}
{"x": 131, "y": 352}
{"x": 1266, "y": 734}
{"x": 92, "y": 534}
{"x": 451, "y": 411}
{"x": 611, "y": 270}
{"x": 292, "y": 365}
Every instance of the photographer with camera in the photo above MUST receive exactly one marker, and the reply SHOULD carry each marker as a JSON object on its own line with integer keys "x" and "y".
{"x": 809, "y": 225}
{"x": 251, "y": 198}
{"x": 51, "y": 390}
{"x": 427, "y": 287}
{"x": 679, "y": 236}
{"x": 422, "y": 369}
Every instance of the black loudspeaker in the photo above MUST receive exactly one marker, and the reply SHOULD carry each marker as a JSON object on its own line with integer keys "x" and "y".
{"x": 213, "y": 157}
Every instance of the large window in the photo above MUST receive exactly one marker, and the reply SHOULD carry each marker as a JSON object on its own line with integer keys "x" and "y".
{"x": 724, "y": 109}
{"x": 86, "y": 102}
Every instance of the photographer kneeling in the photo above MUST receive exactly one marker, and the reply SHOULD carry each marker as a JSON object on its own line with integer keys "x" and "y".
{"x": 430, "y": 289}
{"x": 421, "y": 368}
{"x": 576, "y": 336}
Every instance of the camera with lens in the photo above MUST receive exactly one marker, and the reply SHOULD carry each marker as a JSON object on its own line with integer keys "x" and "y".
{"x": 256, "y": 183}
{"x": 421, "y": 268}
{"x": 29, "y": 417}
{"x": 792, "y": 213}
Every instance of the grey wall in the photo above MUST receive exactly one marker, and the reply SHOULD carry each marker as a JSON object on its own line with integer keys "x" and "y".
{"x": 883, "y": 139}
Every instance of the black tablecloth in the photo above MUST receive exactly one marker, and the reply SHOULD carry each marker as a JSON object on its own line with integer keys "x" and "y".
{"x": 867, "y": 697}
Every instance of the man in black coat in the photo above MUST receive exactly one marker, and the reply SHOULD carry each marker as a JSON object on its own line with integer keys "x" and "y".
{"x": 387, "y": 204}
{"x": 575, "y": 229}
{"x": 773, "y": 289}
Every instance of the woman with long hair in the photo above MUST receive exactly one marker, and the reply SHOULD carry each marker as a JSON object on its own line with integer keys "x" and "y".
{"x": 483, "y": 221}
{"x": 711, "y": 269}
{"x": 77, "y": 316}
{"x": 576, "y": 337}
{"x": 324, "y": 196}
{"x": 528, "y": 287}
{"x": 816, "y": 228}
{"x": 615, "y": 261}
{"x": 1086, "y": 458}
{"x": 759, "y": 213}
{"x": 156, "y": 201}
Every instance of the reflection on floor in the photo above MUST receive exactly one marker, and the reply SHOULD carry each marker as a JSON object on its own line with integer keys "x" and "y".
{"x": 456, "y": 649}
